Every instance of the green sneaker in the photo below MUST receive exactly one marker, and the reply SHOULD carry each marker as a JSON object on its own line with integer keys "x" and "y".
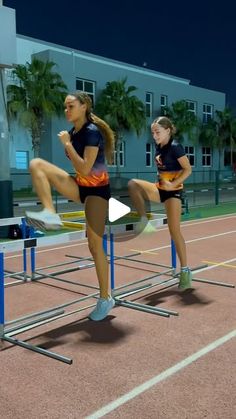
{"x": 185, "y": 281}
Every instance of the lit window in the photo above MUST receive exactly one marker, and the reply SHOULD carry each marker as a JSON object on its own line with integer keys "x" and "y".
{"x": 22, "y": 160}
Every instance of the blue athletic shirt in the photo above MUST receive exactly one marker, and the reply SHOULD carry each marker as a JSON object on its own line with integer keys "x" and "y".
{"x": 89, "y": 135}
{"x": 168, "y": 167}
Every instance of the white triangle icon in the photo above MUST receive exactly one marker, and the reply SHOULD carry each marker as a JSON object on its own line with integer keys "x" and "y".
{"x": 116, "y": 210}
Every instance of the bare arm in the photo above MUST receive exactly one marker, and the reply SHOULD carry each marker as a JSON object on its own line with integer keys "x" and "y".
{"x": 81, "y": 165}
{"x": 186, "y": 172}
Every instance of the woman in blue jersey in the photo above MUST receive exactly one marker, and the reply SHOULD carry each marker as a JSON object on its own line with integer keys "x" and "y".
{"x": 173, "y": 168}
{"x": 87, "y": 145}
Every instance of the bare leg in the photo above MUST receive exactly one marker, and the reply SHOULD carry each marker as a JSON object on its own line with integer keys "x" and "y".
{"x": 173, "y": 211}
{"x": 45, "y": 175}
{"x": 96, "y": 212}
{"x": 141, "y": 191}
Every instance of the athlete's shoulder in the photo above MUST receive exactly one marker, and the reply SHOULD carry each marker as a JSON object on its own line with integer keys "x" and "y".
{"x": 90, "y": 126}
{"x": 175, "y": 143}
{"x": 177, "y": 148}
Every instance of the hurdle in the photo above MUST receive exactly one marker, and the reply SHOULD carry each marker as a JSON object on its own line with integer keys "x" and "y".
{"x": 173, "y": 276}
{"x": 37, "y": 319}
{"x": 22, "y": 324}
{"x": 157, "y": 220}
{"x": 73, "y": 220}
{"x": 22, "y": 275}
{"x": 33, "y": 320}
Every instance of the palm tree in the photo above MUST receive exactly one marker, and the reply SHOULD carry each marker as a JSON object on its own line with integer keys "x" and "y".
{"x": 38, "y": 94}
{"x": 209, "y": 137}
{"x": 184, "y": 120}
{"x": 220, "y": 132}
{"x": 227, "y": 129}
{"x": 122, "y": 111}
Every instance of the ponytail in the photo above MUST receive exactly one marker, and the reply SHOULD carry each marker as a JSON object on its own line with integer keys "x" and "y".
{"x": 107, "y": 133}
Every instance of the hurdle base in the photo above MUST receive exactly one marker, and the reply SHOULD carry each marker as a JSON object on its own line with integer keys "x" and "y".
{"x": 141, "y": 307}
{"x": 37, "y": 349}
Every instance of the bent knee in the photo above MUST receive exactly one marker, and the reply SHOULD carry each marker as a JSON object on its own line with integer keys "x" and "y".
{"x": 132, "y": 184}
{"x": 36, "y": 163}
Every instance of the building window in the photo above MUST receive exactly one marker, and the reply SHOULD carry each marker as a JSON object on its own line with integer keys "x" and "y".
{"x": 149, "y": 155}
{"x": 207, "y": 113}
{"x": 22, "y": 159}
{"x": 190, "y": 153}
{"x": 86, "y": 86}
{"x": 11, "y": 78}
{"x": 149, "y": 103}
{"x": 119, "y": 155}
{"x": 164, "y": 103}
{"x": 206, "y": 156}
{"x": 191, "y": 106}
{"x": 228, "y": 157}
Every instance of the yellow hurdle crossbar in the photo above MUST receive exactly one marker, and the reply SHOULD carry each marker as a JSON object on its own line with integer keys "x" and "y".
{"x": 66, "y": 215}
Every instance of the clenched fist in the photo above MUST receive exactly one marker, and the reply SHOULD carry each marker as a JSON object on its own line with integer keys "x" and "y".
{"x": 64, "y": 137}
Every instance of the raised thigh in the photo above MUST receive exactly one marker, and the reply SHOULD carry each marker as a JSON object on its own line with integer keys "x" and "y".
{"x": 64, "y": 183}
{"x": 148, "y": 189}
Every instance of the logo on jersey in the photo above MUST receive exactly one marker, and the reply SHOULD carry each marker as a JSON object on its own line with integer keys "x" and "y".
{"x": 159, "y": 160}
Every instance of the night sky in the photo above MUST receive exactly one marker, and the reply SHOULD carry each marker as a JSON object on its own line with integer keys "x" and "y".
{"x": 197, "y": 43}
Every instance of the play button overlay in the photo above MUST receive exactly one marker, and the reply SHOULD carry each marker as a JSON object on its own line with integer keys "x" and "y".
{"x": 116, "y": 210}
{"x": 122, "y": 229}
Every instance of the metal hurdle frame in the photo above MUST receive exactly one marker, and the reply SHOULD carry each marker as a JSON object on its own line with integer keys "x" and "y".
{"x": 22, "y": 275}
{"x": 33, "y": 320}
{"x": 157, "y": 220}
{"x": 171, "y": 281}
{"x": 160, "y": 220}
{"x": 173, "y": 277}
{"x": 39, "y": 273}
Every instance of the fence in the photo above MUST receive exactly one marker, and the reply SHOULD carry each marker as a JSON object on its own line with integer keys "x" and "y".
{"x": 204, "y": 187}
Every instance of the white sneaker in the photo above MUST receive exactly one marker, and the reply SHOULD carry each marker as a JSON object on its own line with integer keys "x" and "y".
{"x": 44, "y": 219}
{"x": 145, "y": 227}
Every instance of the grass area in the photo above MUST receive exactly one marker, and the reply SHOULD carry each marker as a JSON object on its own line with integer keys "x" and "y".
{"x": 24, "y": 193}
{"x": 210, "y": 211}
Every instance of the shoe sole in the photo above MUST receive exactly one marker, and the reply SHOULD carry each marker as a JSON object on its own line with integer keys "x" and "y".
{"x": 41, "y": 225}
{"x": 185, "y": 288}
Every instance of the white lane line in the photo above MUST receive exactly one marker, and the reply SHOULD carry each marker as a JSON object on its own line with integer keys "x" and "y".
{"x": 160, "y": 377}
{"x": 188, "y": 241}
{"x": 189, "y": 223}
